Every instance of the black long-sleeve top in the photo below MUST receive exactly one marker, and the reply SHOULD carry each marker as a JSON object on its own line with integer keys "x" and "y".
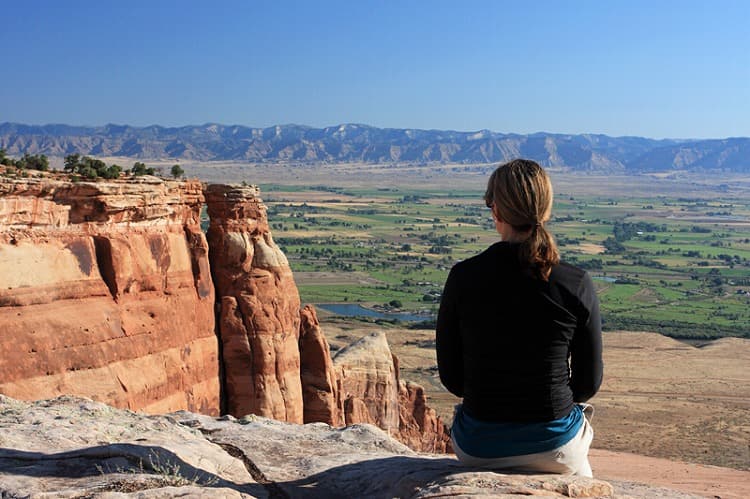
{"x": 517, "y": 348}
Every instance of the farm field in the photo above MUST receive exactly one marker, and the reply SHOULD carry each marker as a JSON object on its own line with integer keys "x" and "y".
{"x": 669, "y": 253}
{"x": 677, "y": 265}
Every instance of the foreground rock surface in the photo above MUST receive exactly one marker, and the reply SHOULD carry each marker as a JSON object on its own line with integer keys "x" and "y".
{"x": 73, "y": 447}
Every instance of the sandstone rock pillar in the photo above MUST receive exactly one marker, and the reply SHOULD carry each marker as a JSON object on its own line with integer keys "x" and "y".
{"x": 320, "y": 383}
{"x": 258, "y": 318}
{"x": 372, "y": 391}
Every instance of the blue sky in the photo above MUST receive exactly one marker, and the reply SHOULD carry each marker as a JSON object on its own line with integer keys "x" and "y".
{"x": 650, "y": 68}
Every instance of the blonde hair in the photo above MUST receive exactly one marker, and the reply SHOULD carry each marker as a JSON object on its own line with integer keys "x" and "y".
{"x": 520, "y": 192}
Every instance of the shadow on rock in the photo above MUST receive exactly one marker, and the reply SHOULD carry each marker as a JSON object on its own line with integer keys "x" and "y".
{"x": 397, "y": 476}
{"x": 422, "y": 478}
{"x": 119, "y": 467}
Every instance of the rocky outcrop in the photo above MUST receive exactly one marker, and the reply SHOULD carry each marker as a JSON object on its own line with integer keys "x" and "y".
{"x": 72, "y": 447}
{"x": 276, "y": 359}
{"x": 372, "y": 392}
{"x": 419, "y": 426}
{"x": 369, "y": 382}
{"x": 259, "y": 318}
{"x": 105, "y": 291}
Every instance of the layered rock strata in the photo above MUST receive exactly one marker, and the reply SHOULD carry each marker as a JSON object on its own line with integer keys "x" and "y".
{"x": 258, "y": 302}
{"x": 105, "y": 291}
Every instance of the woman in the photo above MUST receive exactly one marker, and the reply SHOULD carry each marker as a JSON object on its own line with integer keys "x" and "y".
{"x": 519, "y": 339}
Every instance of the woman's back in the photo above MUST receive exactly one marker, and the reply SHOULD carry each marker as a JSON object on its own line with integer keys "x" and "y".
{"x": 510, "y": 319}
{"x": 504, "y": 337}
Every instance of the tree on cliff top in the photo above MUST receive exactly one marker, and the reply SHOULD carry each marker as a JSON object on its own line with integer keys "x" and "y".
{"x": 27, "y": 162}
{"x": 141, "y": 169}
{"x": 177, "y": 171}
{"x": 91, "y": 168}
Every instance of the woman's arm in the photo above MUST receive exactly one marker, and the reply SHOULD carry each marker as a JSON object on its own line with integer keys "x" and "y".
{"x": 586, "y": 364}
{"x": 448, "y": 339}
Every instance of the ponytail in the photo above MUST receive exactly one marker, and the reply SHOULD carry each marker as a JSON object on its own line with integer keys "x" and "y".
{"x": 539, "y": 252}
{"x": 520, "y": 192}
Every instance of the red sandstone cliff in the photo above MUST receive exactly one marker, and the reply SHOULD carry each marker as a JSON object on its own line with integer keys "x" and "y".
{"x": 105, "y": 292}
{"x": 276, "y": 359}
{"x": 259, "y": 307}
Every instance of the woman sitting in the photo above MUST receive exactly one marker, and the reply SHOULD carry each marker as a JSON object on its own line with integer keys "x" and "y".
{"x": 519, "y": 339}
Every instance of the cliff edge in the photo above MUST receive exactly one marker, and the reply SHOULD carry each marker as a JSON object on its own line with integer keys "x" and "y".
{"x": 72, "y": 447}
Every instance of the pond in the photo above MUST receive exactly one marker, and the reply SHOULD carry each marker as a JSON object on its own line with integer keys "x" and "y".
{"x": 604, "y": 278}
{"x": 352, "y": 310}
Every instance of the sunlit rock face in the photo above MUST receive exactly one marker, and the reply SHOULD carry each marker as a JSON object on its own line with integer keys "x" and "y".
{"x": 105, "y": 292}
{"x": 258, "y": 319}
{"x": 369, "y": 380}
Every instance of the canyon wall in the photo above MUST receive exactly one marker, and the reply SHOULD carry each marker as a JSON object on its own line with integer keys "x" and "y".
{"x": 105, "y": 292}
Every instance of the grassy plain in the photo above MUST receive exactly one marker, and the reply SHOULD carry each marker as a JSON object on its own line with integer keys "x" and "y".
{"x": 670, "y": 255}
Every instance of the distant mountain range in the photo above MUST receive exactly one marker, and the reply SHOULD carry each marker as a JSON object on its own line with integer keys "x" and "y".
{"x": 361, "y": 143}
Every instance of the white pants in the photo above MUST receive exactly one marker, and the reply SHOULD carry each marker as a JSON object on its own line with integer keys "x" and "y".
{"x": 569, "y": 459}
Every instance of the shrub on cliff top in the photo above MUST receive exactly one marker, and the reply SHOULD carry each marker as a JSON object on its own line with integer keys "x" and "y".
{"x": 177, "y": 171}
{"x": 141, "y": 169}
{"x": 90, "y": 167}
{"x": 27, "y": 162}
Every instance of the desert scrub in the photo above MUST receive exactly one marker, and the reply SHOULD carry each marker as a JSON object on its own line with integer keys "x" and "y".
{"x": 160, "y": 472}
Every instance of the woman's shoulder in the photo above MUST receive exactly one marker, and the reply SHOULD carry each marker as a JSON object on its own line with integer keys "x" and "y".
{"x": 570, "y": 276}
{"x": 568, "y": 269}
{"x": 490, "y": 256}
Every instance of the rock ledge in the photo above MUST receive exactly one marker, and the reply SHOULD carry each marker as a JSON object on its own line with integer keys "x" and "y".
{"x": 73, "y": 447}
